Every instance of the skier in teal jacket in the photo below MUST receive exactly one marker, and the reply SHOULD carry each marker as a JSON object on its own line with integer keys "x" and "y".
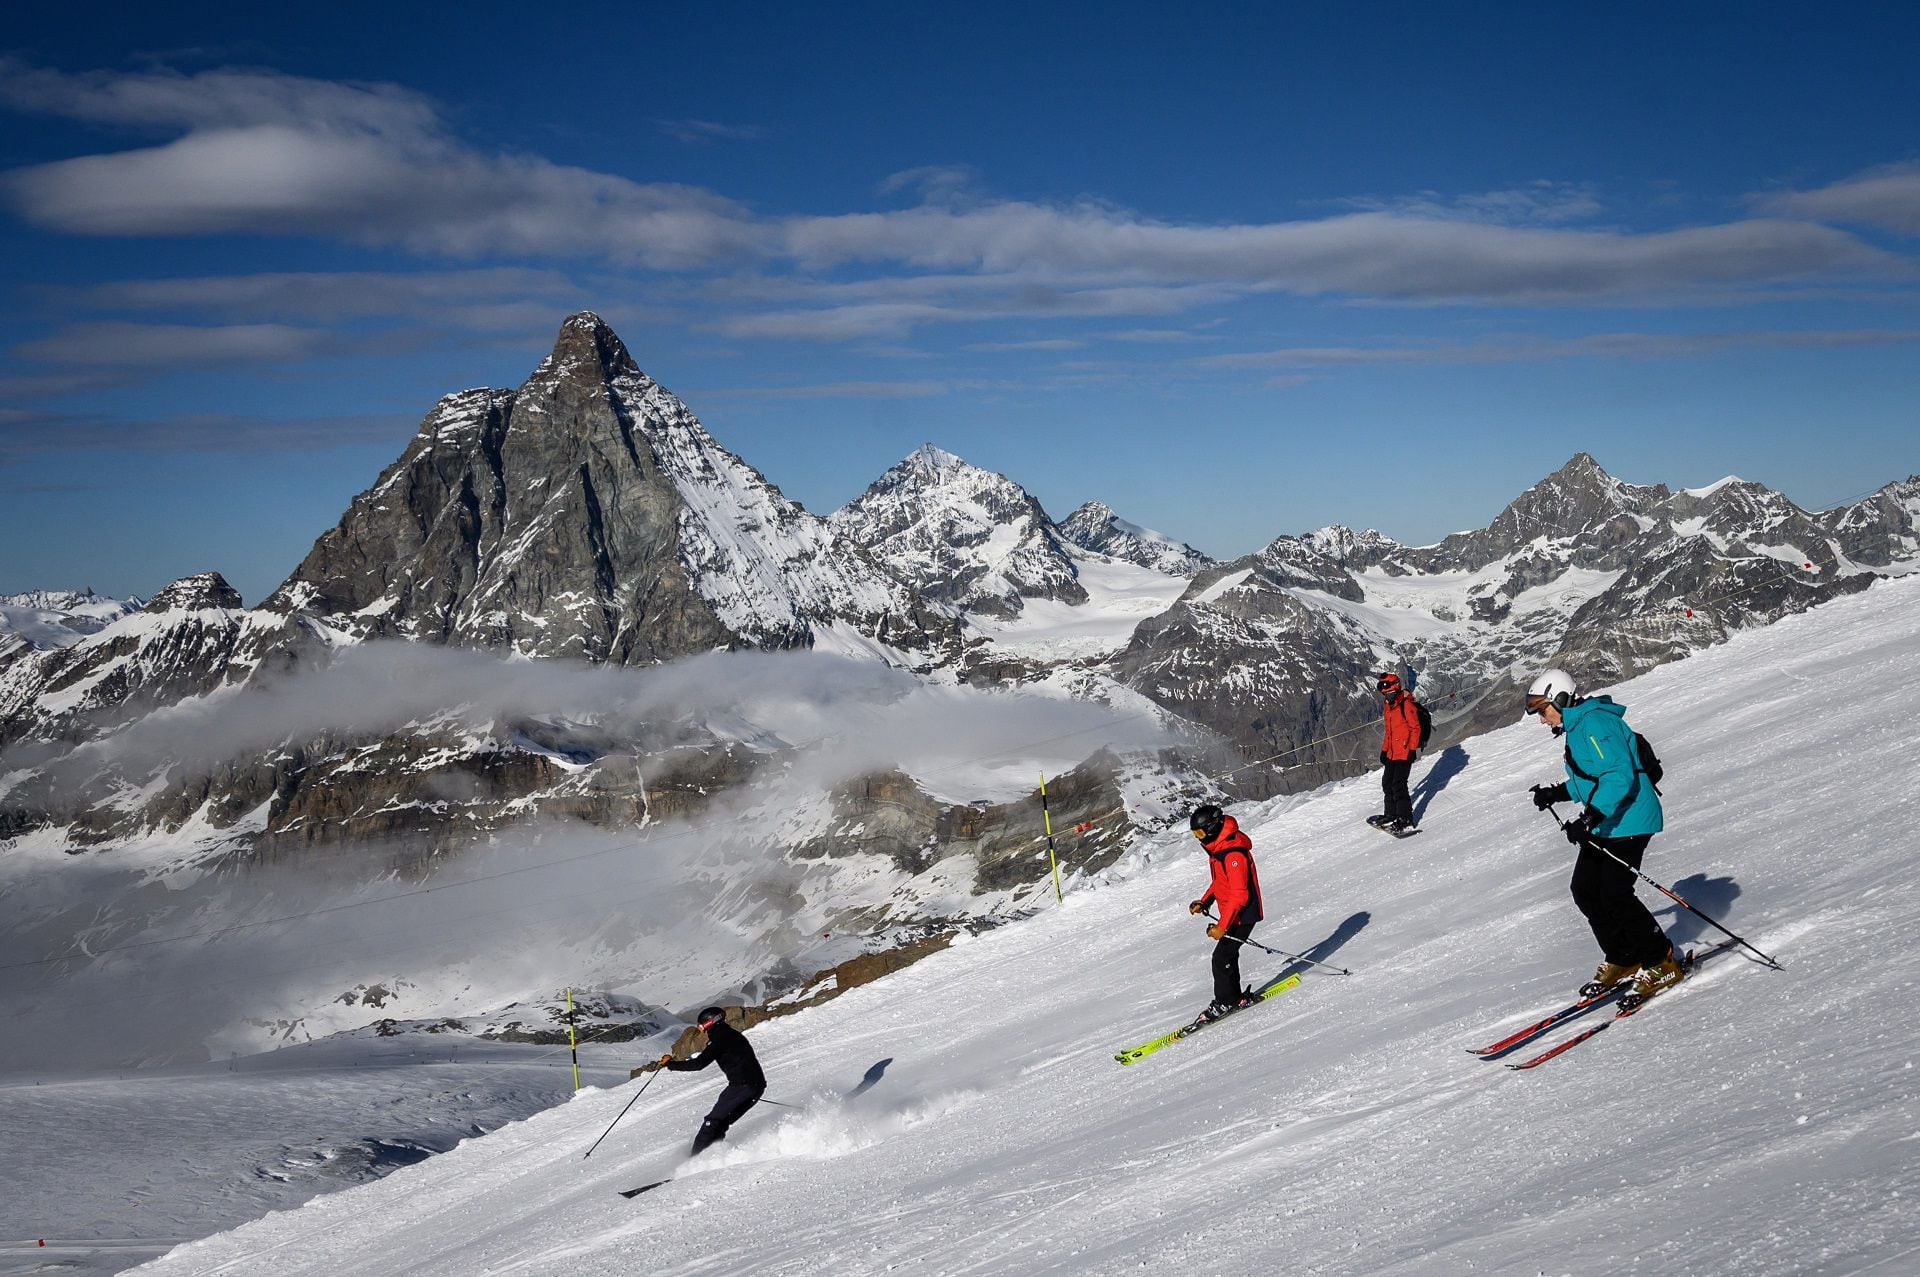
{"x": 1620, "y": 816}
{"x": 1602, "y": 759}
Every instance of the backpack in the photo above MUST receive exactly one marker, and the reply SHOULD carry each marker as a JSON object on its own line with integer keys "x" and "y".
{"x": 1426, "y": 727}
{"x": 1649, "y": 763}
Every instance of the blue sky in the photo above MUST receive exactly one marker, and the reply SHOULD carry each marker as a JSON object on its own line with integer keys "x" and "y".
{"x": 1234, "y": 270}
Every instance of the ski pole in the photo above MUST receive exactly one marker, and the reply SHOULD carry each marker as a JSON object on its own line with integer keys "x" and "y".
{"x": 623, "y": 1112}
{"x": 1668, "y": 892}
{"x": 1281, "y": 953}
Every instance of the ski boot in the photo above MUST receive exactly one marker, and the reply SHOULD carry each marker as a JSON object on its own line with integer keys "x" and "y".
{"x": 1379, "y": 822}
{"x": 1663, "y": 974}
{"x": 1609, "y": 975}
{"x": 1401, "y": 828}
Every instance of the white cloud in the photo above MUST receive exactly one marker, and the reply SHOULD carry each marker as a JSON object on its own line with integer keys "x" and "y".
{"x": 700, "y": 132}
{"x": 1044, "y": 343}
{"x": 277, "y": 154}
{"x": 1626, "y": 345}
{"x": 123, "y": 345}
{"x": 266, "y": 153}
{"x": 492, "y": 300}
{"x": 1540, "y": 203}
{"x": 1888, "y": 196}
{"x": 839, "y": 390}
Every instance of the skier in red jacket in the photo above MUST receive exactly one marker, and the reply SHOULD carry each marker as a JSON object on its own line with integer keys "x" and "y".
{"x": 1399, "y": 746}
{"x": 1235, "y": 888}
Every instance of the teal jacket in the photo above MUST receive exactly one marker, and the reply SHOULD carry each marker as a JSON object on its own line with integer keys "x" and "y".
{"x": 1600, "y": 744}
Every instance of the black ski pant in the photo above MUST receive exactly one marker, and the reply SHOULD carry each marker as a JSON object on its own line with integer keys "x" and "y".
{"x": 728, "y": 1109}
{"x": 1226, "y": 963}
{"x": 1625, "y": 928}
{"x": 1393, "y": 780}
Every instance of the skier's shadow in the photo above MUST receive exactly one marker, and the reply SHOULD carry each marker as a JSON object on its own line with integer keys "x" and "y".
{"x": 1324, "y": 950}
{"x": 1452, "y": 761}
{"x": 1708, "y": 895}
{"x": 873, "y": 1075}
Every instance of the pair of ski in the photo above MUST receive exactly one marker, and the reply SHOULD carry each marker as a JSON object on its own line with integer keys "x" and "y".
{"x": 1271, "y": 989}
{"x": 1616, "y": 997}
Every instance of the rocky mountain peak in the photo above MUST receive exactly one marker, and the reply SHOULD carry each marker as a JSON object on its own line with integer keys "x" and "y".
{"x": 1095, "y": 526}
{"x": 961, "y": 535}
{"x": 589, "y": 514}
{"x": 586, "y": 349}
{"x": 195, "y": 593}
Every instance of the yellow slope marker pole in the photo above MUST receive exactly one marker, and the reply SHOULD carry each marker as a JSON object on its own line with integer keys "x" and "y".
{"x": 1052, "y": 859}
{"x": 573, "y": 1043}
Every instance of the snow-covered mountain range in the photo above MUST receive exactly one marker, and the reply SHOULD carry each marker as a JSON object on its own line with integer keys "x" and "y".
{"x": 526, "y": 619}
{"x": 967, "y": 1114}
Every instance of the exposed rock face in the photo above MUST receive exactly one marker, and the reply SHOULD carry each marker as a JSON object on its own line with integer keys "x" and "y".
{"x": 888, "y": 814}
{"x": 588, "y": 514}
{"x": 961, "y": 535}
{"x": 1094, "y": 526}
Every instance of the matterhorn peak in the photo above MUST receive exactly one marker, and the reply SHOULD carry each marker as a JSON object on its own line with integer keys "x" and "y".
{"x": 586, "y": 348}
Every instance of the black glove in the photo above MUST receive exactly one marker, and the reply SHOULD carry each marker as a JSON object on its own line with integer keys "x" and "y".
{"x": 1383, "y": 755}
{"x": 1413, "y": 756}
{"x": 1580, "y": 828}
{"x": 1545, "y": 796}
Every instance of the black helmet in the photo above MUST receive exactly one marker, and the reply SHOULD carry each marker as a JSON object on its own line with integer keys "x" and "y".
{"x": 707, "y": 1017}
{"x": 1206, "y": 821}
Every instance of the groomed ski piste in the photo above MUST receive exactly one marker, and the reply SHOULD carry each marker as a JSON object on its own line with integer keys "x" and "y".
{"x": 1750, "y": 1121}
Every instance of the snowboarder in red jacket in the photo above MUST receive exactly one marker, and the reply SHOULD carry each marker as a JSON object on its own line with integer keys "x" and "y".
{"x": 1235, "y": 888}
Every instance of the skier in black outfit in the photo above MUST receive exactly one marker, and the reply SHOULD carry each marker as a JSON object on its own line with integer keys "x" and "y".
{"x": 729, "y": 1048}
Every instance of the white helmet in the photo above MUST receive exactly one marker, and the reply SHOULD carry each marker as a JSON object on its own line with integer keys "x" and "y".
{"x": 1554, "y": 685}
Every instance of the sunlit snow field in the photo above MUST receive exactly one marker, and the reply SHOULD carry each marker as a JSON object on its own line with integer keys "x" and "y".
{"x": 1751, "y": 1121}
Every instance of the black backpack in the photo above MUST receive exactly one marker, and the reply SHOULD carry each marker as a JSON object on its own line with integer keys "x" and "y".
{"x": 1426, "y": 727}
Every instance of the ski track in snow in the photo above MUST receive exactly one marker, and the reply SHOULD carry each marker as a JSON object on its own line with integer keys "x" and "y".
{"x": 1750, "y": 1121}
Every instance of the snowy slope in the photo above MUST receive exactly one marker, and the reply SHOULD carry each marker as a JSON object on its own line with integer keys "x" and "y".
{"x": 1753, "y": 1121}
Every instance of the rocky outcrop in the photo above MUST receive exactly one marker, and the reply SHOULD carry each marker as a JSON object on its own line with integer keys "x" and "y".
{"x": 888, "y": 814}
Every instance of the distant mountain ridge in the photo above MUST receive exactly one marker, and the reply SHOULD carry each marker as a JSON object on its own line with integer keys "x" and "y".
{"x": 587, "y": 516}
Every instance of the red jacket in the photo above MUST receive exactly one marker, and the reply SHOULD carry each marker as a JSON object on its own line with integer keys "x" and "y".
{"x": 1236, "y": 883}
{"x": 1403, "y": 728}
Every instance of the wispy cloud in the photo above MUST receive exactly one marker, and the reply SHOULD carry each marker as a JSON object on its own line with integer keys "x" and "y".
{"x": 1888, "y": 196}
{"x": 1627, "y": 345}
{"x": 701, "y": 132}
{"x": 490, "y": 300}
{"x": 125, "y": 345}
{"x": 1539, "y": 203}
{"x": 27, "y": 432}
{"x": 1160, "y": 336}
{"x": 1043, "y": 343}
{"x": 838, "y": 390}
{"x": 261, "y": 152}
{"x": 372, "y": 163}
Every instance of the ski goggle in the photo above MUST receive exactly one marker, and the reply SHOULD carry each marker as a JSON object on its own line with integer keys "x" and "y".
{"x": 1538, "y": 705}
